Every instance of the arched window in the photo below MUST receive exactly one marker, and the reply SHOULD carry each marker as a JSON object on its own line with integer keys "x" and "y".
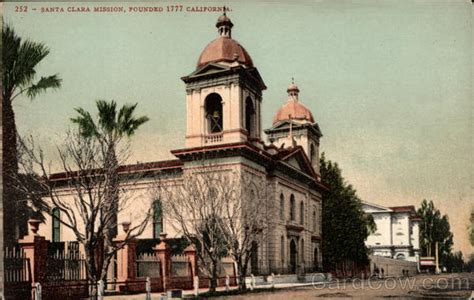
{"x": 249, "y": 115}
{"x": 282, "y": 251}
{"x": 400, "y": 256}
{"x": 312, "y": 153}
{"x": 254, "y": 258}
{"x": 157, "y": 219}
{"x": 302, "y": 250}
{"x": 302, "y": 213}
{"x": 315, "y": 259}
{"x": 213, "y": 107}
{"x": 282, "y": 207}
{"x": 314, "y": 220}
{"x": 56, "y": 214}
{"x": 292, "y": 207}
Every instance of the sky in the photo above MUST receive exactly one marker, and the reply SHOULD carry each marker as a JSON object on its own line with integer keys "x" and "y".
{"x": 389, "y": 83}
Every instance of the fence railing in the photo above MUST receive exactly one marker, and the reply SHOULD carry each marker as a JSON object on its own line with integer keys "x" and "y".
{"x": 16, "y": 266}
{"x": 213, "y": 138}
{"x": 65, "y": 266}
{"x": 148, "y": 265}
{"x": 66, "y": 246}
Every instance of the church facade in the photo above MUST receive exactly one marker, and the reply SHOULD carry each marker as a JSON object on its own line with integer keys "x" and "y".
{"x": 224, "y": 96}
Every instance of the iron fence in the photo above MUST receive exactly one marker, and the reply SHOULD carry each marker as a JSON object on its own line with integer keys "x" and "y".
{"x": 64, "y": 266}
{"x": 16, "y": 266}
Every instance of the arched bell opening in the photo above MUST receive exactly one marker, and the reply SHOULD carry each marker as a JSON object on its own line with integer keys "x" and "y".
{"x": 213, "y": 108}
{"x": 249, "y": 116}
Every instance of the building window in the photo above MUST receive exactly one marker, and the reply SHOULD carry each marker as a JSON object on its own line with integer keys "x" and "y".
{"x": 302, "y": 251}
{"x": 315, "y": 259}
{"x": 400, "y": 256}
{"x": 314, "y": 220}
{"x": 282, "y": 207}
{"x": 157, "y": 219}
{"x": 312, "y": 153}
{"x": 282, "y": 251}
{"x": 292, "y": 207}
{"x": 56, "y": 214}
{"x": 302, "y": 213}
{"x": 249, "y": 115}
{"x": 213, "y": 107}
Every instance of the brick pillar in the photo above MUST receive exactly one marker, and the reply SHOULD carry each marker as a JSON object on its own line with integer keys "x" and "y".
{"x": 162, "y": 251}
{"x": 126, "y": 258}
{"x": 35, "y": 249}
{"x": 190, "y": 253}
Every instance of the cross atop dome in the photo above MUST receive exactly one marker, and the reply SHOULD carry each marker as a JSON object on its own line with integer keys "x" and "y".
{"x": 292, "y": 91}
{"x": 224, "y": 25}
{"x": 224, "y": 49}
{"x": 293, "y": 109}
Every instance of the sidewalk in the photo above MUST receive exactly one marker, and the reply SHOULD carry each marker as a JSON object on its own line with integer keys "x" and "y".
{"x": 189, "y": 293}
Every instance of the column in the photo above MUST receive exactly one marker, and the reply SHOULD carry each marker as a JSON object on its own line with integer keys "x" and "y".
{"x": 35, "y": 249}
{"x": 162, "y": 251}
{"x": 190, "y": 253}
{"x": 126, "y": 257}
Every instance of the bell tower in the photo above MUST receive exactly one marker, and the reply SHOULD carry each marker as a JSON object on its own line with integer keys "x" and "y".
{"x": 294, "y": 125}
{"x": 223, "y": 94}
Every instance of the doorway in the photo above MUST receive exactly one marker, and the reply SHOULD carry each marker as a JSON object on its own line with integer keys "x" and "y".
{"x": 254, "y": 258}
{"x": 293, "y": 255}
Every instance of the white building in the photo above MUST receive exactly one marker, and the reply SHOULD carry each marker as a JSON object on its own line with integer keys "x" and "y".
{"x": 397, "y": 234}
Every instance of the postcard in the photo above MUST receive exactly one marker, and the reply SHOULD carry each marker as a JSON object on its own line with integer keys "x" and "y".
{"x": 237, "y": 149}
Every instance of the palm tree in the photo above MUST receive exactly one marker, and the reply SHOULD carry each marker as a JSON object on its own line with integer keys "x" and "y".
{"x": 19, "y": 59}
{"x": 109, "y": 129}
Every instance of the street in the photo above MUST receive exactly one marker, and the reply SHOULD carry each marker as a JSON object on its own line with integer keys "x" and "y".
{"x": 452, "y": 286}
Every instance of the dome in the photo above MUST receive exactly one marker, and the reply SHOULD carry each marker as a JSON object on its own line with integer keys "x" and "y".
{"x": 293, "y": 109}
{"x": 224, "y": 48}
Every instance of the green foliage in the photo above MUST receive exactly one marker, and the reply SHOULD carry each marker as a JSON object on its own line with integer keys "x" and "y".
{"x": 434, "y": 228}
{"x": 470, "y": 264}
{"x": 454, "y": 263}
{"x": 111, "y": 125}
{"x": 345, "y": 225}
{"x": 20, "y": 58}
{"x": 19, "y": 61}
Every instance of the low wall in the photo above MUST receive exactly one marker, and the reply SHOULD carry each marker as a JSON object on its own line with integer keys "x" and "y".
{"x": 65, "y": 289}
{"x": 17, "y": 290}
{"x": 181, "y": 282}
{"x": 139, "y": 285}
{"x": 204, "y": 282}
{"x": 392, "y": 267}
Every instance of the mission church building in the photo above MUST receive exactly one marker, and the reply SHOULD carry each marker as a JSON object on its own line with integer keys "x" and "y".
{"x": 224, "y": 131}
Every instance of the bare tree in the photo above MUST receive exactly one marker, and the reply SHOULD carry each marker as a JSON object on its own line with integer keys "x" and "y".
{"x": 248, "y": 213}
{"x": 194, "y": 207}
{"x": 222, "y": 211}
{"x": 80, "y": 193}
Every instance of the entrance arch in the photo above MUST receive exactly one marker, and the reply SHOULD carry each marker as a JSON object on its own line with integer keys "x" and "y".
{"x": 293, "y": 255}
